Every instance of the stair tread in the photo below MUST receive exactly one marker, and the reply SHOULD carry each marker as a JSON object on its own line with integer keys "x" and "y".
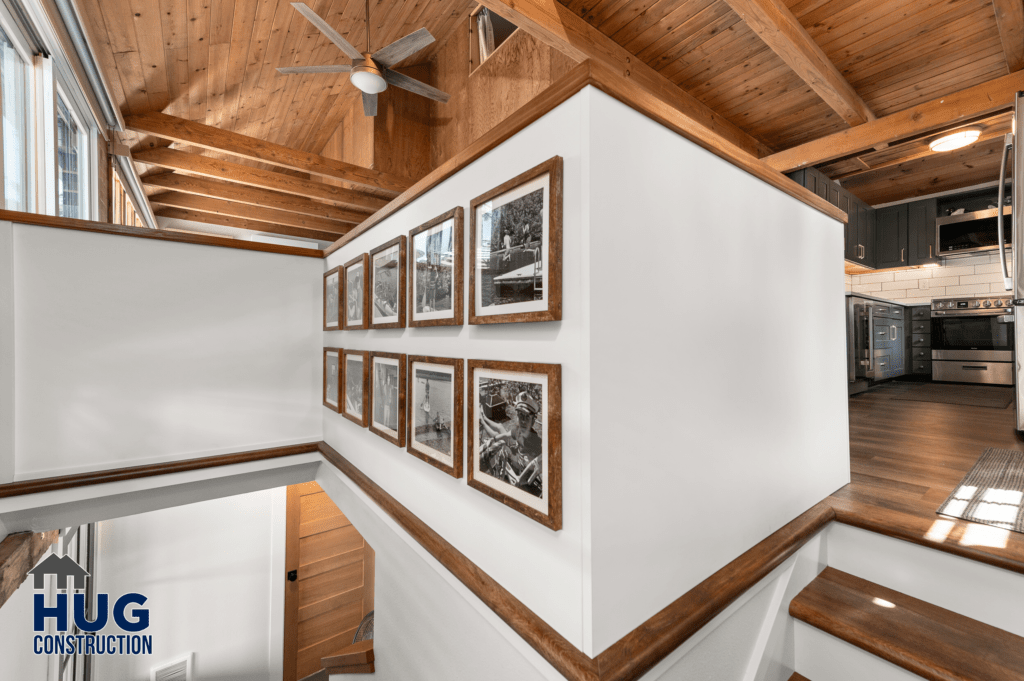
{"x": 798, "y": 677}
{"x": 925, "y": 639}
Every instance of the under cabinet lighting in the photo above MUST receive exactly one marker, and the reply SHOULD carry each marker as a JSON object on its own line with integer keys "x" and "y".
{"x": 931, "y": 264}
{"x": 955, "y": 140}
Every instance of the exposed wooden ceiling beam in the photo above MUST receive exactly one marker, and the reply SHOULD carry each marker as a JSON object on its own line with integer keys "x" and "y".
{"x": 1010, "y": 19}
{"x": 557, "y": 26}
{"x": 986, "y": 98}
{"x": 173, "y": 159}
{"x": 229, "y": 191}
{"x": 775, "y": 24}
{"x": 205, "y": 136}
{"x": 241, "y": 210}
{"x": 18, "y": 554}
{"x": 242, "y": 223}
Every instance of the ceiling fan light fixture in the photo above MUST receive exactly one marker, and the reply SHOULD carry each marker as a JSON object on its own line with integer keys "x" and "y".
{"x": 367, "y": 77}
{"x": 955, "y": 140}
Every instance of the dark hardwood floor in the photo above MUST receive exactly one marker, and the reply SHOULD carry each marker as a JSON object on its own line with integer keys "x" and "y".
{"x": 905, "y": 460}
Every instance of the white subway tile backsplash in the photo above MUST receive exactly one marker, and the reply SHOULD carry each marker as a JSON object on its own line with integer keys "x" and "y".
{"x": 937, "y": 292}
{"x": 895, "y": 294}
{"x": 967, "y": 290}
{"x": 898, "y": 285}
{"x": 999, "y": 288}
{"x": 958, "y": 271}
{"x": 943, "y": 281}
{"x": 916, "y": 301}
{"x": 989, "y": 268}
{"x": 873, "y": 278}
{"x": 987, "y": 278}
{"x": 866, "y": 288}
{"x": 913, "y": 275}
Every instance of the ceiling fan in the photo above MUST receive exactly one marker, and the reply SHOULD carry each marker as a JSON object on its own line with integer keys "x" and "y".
{"x": 371, "y": 72}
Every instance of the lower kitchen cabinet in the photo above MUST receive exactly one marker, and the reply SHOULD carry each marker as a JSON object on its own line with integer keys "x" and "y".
{"x": 919, "y": 349}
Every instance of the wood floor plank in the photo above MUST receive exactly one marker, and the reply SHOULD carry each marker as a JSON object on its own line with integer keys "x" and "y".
{"x": 929, "y": 641}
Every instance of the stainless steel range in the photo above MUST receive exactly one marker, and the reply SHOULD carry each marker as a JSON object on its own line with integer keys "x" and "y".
{"x": 972, "y": 340}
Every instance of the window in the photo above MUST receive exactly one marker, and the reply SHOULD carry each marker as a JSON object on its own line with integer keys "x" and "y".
{"x": 69, "y": 200}
{"x": 14, "y": 103}
{"x": 124, "y": 211}
{"x": 489, "y": 31}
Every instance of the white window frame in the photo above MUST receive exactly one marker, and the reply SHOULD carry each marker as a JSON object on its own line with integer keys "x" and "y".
{"x": 88, "y": 188}
{"x": 24, "y": 50}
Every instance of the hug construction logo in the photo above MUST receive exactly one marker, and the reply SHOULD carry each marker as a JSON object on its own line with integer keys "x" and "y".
{"x": 85, "y": 637}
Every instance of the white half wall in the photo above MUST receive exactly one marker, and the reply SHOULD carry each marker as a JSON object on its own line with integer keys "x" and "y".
{"x": 542, "y": 568}
{"x": 210, "y": 572}
{"x": 134, "y": 351}
{"x": 718, "y": 405}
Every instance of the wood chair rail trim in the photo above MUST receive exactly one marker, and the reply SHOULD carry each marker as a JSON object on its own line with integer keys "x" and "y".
{"x": 158, "y": 234}
{"x": 17, "y": 489}
{"x": 626, "y": 91}
{"x": 627, "y": 659}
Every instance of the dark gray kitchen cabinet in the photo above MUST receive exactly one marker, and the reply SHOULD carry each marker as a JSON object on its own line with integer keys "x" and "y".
{"x": 859, "y": 243}
{"x": 891, "y": 237}
{"x": 921, "y": 232}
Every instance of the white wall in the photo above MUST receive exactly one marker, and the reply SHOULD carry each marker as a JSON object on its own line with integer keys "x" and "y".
{"x": 6, "y": 354}
{"x": 213, "y": 573}
{"x": 540, "y": 567}
{"x": 132, "y": 351}
{"x": 718, "y": 405}
{"x": 17, "y": 661}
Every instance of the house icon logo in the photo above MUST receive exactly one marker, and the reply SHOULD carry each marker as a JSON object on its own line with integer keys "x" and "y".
{"x": 64, "y": 568}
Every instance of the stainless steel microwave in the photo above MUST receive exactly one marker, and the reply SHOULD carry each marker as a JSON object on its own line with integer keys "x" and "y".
{"x": 971, "y": 232}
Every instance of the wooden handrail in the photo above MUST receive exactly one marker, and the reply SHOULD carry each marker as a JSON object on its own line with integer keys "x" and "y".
{"x": 158, "y": 234}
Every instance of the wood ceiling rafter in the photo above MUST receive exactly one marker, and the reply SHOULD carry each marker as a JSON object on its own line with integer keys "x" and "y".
{"x": 255, "y": 149}
{"x": 252, "y": 196}
{"x": 929, "y": 117}
{"x": 171, "y": 159}
{"x": 243, "y": 223}
{"x": 772, "y": 21}
{"x": 242, "y": 210}
{"x": 1010, "y": 19}
{"x": 555, "y": 25}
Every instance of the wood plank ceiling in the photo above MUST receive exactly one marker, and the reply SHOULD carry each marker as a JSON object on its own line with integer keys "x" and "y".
{"x": 893, "y": 55}
{"x": 785, "y": 73}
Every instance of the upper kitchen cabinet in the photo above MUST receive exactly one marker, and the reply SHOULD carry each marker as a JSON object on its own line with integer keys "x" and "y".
{"x": 891, "y": 237}
{"x": 860, "y": 226}
{"x": 921, "y": 232}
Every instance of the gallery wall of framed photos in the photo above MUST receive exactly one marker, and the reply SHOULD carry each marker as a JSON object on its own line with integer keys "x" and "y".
{"x": 472, "y": 387}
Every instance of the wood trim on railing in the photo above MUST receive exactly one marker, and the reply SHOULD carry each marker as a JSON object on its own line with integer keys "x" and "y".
{"x": 551, "y": 645}
{"x": 158, "y": 234}
{"x": 16, "y": 489}
{"x": 18, "y": 554}
{"x": 621, "y": 88}
{"x": 637, "y": 652}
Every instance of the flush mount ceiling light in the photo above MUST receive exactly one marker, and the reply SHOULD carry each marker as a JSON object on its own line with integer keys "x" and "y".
{"x": 955, "y": 140}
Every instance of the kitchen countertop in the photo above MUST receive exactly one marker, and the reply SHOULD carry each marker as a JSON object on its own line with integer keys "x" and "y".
{"x": 880, "y": 300}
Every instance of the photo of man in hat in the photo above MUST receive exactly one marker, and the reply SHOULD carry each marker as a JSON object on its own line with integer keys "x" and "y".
{"x": 513, "y": 450}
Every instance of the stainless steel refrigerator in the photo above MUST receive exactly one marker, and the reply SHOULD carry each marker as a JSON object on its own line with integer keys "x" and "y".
{"x": 1013, "y": 164}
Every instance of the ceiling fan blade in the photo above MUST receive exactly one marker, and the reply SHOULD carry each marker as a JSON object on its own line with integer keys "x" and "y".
{"x": 412, "y": 85}
{"x": 323, "y": 68}
{"x": 326, "y": 29}
{"x": 369, "y": 104}
{"x": 402, "y": 48}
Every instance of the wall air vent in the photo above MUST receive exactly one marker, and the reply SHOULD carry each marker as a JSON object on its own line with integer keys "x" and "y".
{"x": 179, "y": 670}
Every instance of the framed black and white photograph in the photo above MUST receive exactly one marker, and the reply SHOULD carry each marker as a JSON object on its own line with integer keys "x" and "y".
{"x": 434, "y": 412}
{"x": 387, "y": 396}
{"x": 515, "y": 454}
{"x": 387, "y": 285}
{"x": 355, "y": 313}
{"x": 332, "y": 299}
{"x": 332, "y": 378}
{"x": 355, "y": 380}
{"x": 435, "y": 277}
{"x": 516, "y": 249}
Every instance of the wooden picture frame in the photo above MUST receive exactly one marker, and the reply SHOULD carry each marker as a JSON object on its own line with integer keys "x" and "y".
{"x": 455, "y": 370}
{"x": 334, "y": 288}
{"x": 437, "y": 226}
{"x": 337, "y": 352}
{"x": 363, "y": 381}
{"x": 491, "y": 384}
{"x": 396, "y": 320}
{"x": 362, "y": 261}
{"x": 390, "y": 398}
{"x": 542, "y": 256}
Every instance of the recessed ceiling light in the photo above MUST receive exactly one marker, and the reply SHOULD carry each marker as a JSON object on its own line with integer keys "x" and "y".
{"x": 955, "y": 140}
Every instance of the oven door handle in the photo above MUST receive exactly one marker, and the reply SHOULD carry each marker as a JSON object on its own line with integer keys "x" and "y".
{"x": 1005, "y": 319}
{"x": 1007, "y": 148}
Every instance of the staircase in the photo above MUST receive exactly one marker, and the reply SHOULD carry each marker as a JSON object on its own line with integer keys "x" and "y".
{"x": 848, "y": 629}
